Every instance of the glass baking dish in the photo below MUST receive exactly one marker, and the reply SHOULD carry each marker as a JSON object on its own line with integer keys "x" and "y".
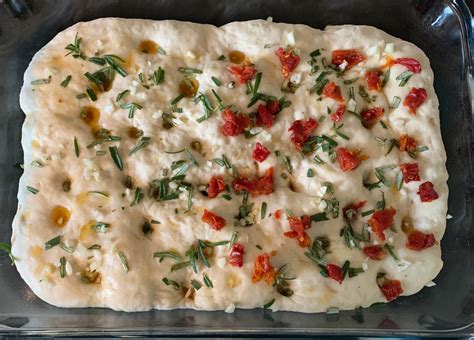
{"x": 441, "y": 28}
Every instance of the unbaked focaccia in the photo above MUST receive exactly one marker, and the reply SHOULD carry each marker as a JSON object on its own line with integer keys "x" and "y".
{"x": 178, "y": 165}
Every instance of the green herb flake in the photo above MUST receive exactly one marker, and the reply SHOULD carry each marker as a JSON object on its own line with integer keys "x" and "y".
{"x": 66, "y": 81}
{"x": 34, "y": 191}
{"x": 263, "y": 210}
{"x": 172, "y": 283}
{"x": 207, "y": 281}
{"x": 144, "y": 141}
{"x": 100, "y": 227}
{"x": 158, "y": 76}
{"x": 196, "y": 284}
{"x": 404, "y": 77}
{"x": 52, "y": 243}
{"x": 75, "y": 48}
{"x": 62, "y": 267}
{"x": 216, "y": 81}
{"x": 123, "y": 261}
{"x": 395, "y": 102}
{"x": 131, "y": 107}
{"x": 76, "y": 147}
{"x": 167, "y": 254}
{"x": 269, "y": 304}
{"x": 8, "y": 249}
{"x": 114, "y": 153}
{"x": 221, "y": 57}
{"x": 188, "y": 70}
{"x": 42, "y": 81}
{"x": 390, "y": 249}
{"x": 122, "y": 95}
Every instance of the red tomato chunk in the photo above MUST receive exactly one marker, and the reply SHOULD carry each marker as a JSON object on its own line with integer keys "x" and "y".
{"x": 262, "y": 269}
{"x": 334, "y": 272}
{"x": 391, "y": 289}
{"x": 260, "y": 153}
{"x": 234, "y": 124}
{"x": 415, "y": 98}
{"x": 382, "y": 220}
{"x": 298, "y": 226}
{"x": 215, "y": 221}
{"x": 215, "y": 187}
{"x": 410, "y": 172}
{"x": 243, "y": 73}
{"x": 289, "y": 60}
{"x": 427, "y": 192}
{"x": 258, "y": 186}
{"x": 352, "y": 57}
{"x": 375, "y": 252}
{"x": 419, "y": 241}
{"x": 347, "y": 159}
{"x": 301, "y": 130}
{"x": 236, "y": 255}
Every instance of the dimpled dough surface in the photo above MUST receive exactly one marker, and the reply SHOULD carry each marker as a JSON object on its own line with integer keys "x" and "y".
{"x": 53, "y": 120}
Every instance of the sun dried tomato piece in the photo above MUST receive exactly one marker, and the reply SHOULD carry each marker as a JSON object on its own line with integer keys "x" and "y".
{"x": 258, "y": 186}
{"x": 350, "y": 211}
{"x": 391, "y": 289}
{"x": 373, "y": 81}
{"x": 300, "y": 131}
{"x": 277, "y": 214}
{"x": 262, "y": 269}
{"x": 337, "y": 115}
{"x": 236, "y": 255}
{"x": 260, "y": 153}
{"x": 372, "y": 114}
{"x": 427, "y": 192}
{"x": 334, "y": 272}
{"x": 243, "y": 73}
{"x": 234, "y": 124}
{"x": 419, "y": 241}
{"x": 410, "y": 172}
{"x": 298, "y": 226}
{"x": 375, "y": 252}
{"x": 215, "y": 221}
{"x": 351, "y": 57}
{"x": 382, "y": 220}
{"x": 266, "y": 113}
{"x": 411, "y": 64}
{"x": 347, "y": 160}
{"x": 215, "y": 186}
{"x": 407, "y": 143}
{"x": 415, "y": 98}
{"x": 331, "y": 90}
{"x": 289, "y": 60}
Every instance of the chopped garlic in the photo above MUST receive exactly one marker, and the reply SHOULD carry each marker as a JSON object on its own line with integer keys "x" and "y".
{"x": 256, "y": 130}
{"x": 191, "y": 55}
{"x": 389, "y": 48}
{"x": 448, "y": 216}
{"x": 290, "y": 38}
{"x": 365, "y": 266}
{"x": 323, "y": 205}
{"x": 230, "y": 308}
{"x": 296, "y": 78}
{"x": 323, "y": 190}
{"x": 157, "y": 114}
{"x": 342, "y": 66}
{"x": 99, "y": 44}
{"x": 430, "y": 284}
{"x": 351, "y": 105}
{"x": 270, "y": 19}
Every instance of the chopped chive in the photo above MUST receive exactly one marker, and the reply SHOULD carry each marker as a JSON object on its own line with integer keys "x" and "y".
{"x": 221, "y": 57}
{"x": 62, "y": 267}
{"x": 395, "y": 102}
{"x": 131, "y": 107}
{"x": 390, "y": 249}
{"x": 137, "y": 197}
{"x": 75, "y": 48}
{"x": 41, "y": 81}
{"x": 207, "y": 281}
{"x": 258, "y": 246}
{"x": 66, "y": 81}
{"x": 404, "y": 77}
{"x": 95, "y": 247}
{"x": 310, "y": 173}
{"x": 191, "y": 157}
{"x": 196, "y": 284}
{"x": 190, "y": 197}
{"x": 99, "y": 193}
{"x": 176, "y": 99}
{"x": 216, "y": 81}
{"x": 91, "y": 94}
{"x": 189, "y": 70}
{"x": 123, "y": 261}
{"x": 122, "y": 95}
{"x": 97, "y": 60}
{"x": 288, "y": 165}
{"x": 34, "y": 191}
{"x": 256, "y": 84}
{"x": 167, "y": 254}
{"x": 350, "y": 81}
{"x": 233, "y": 239}
{"x": 8, "y": 249}
{"x": 180, "y": 265}
{"x": 76, "y": 147}
{"x": 383, "y": 125}
{"x": 268, "y": 304}
{"x": 37, "y": 164}
{"x": 172, "y": 283}
{"x": 52, "y": 243}
{"x": 385, "y": 77}
{"x": 319, "y": 217}
{"x": 367, "y": 213}
{"x": 66, "y": 248}
{"x": 114, "y": 153}
{"x": 318, "y": 160}
{"x": 81, "y": 96}
{"x": 144, "y": 141}
{"x": 158, "y": 76}
{"x": 399, "y": 180}
{"x": 263, "y": 210}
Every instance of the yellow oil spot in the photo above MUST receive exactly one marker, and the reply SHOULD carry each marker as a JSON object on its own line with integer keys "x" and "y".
{"x": 36, "y": 251}
{"x": 407, "y": 226}
{"x": 237, "y": 57}
{"x": 148, "y": 47}
{"x": 86, "y": 230}
{"x": 60, "y": 216}
{"x": 188, "y": 87}
{"x": 90, "y": 116}
{"x": 82, "y": 197}
{"x": 233, "y": 281}
{"x": 35, "y": 144}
